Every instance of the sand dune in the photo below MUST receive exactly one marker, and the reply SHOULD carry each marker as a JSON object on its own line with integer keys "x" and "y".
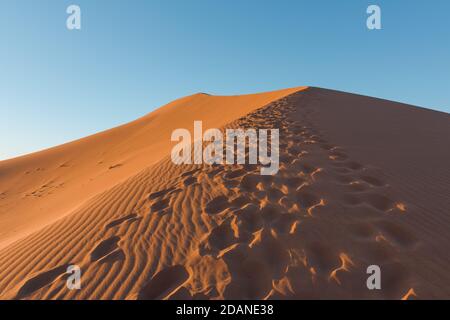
{"x": 42, "y": 187}
{"x": 362, "y": 181}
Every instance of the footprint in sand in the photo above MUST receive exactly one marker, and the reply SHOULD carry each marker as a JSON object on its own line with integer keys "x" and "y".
{"x": 351, "y": 199}
{"x": 270, "y": 211}
{"x": 274, "y": 194}
{"x": 106, "y": 250}
{"x": 40, "y": 281}
{"x": 307, "y": 168}
{"x": 214, "y": 171}
{"x": 217, "y": 205}
{"x": 351, "y": 165}
{"x": 373, "y": 181}
{"x": 239, "y": 201}
{"x": 336, "y": 155}
{"x": 189, "y": 181}
{"x": 254, "y": 267}
{"x": 129, "y": 218}
{"x": 295, "y": 151}
{"x": 115, "y": 166}
{"x": 248, "y": 219}
{"x": 344, "y": 179}
{"x": 161, "y": 193}
{"x": 218, "y": 239}
{"x": 160, "y": 205}
{"x": 250, "y": 181}
{"x": 286, "y": 158}
{"x": 190, "y": 173}
{"x": 308, "y": 200}
{"x": 165, "y": 283}
{"x": 356, "y": 186}
{"x": 379, "y": 201}
{"x": 322, "y": 257}
{"x": 318, "y": 139}
{"x": 342, "y": 170}
{"x": 398, "y": 234}
{"x": 395, "y": 280}
{"x": 286, "y": 224}
{"x": 376, "y": 252}
{"x": 233, "y": 174}
{"x": 250, "y": 167}
{"x": 362, "y": 230}
{"x": 327, "y": 147}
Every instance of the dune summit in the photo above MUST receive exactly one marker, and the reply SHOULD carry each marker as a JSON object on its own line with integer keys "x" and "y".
{"x": 361, "y": 182}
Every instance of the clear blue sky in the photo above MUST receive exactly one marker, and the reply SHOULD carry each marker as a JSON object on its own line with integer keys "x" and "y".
{"x": 130, "y": 57}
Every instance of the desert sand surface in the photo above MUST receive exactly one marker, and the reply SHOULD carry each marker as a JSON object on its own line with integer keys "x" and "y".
{"x": 362, "y": 181}
{"x": 45, "y": 186}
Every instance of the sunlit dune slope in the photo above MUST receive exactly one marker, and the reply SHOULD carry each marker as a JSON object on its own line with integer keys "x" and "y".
{"x": 39, "y": 188}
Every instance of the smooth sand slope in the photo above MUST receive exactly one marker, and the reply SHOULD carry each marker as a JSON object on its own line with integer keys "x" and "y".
{"x": 362, "y": 181}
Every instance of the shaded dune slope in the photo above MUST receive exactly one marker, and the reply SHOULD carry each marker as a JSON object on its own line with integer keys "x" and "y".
{"x": 341, "y": 201}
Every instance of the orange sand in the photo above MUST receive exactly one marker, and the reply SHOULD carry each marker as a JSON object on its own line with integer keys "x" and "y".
{"x": 362, "y": 181}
